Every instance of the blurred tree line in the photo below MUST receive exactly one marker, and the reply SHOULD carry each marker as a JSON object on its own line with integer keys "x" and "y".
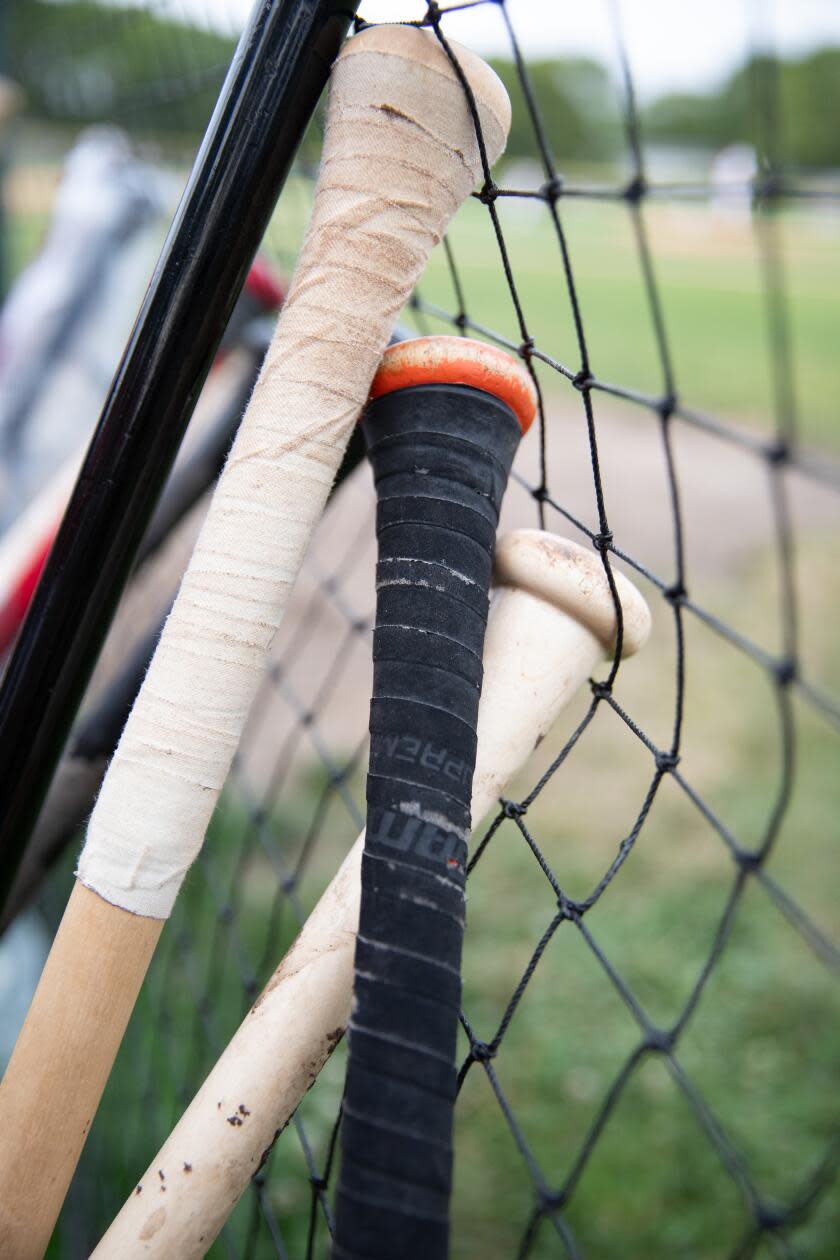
{"x": 808, "y": 94}
{"x": 81, "y": 61}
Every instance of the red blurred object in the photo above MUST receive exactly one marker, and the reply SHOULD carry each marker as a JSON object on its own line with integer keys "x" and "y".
{"x": 15, "y": 600}
{"x": 264, "y": 284}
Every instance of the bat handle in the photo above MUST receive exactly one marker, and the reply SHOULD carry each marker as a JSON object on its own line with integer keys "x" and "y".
{"x": 441, "y": 434}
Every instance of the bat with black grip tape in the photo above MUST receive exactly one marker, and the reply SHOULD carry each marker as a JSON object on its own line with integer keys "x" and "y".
{"x": 400, "y": 155}
{"x": 442, "y": 429}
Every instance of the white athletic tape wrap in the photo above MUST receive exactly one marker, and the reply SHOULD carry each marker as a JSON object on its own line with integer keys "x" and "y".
{"x": 400, "y": 155}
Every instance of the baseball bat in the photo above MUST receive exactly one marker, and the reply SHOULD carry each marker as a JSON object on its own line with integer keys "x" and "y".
{"x": 551, "y": 621}
{"x": 401, "y": 153}
{"x": 442, "y": 429}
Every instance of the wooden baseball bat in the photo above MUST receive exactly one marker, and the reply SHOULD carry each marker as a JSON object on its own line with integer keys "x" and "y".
{"x": 400, "y": 155}
{"x": 551, "y": 621}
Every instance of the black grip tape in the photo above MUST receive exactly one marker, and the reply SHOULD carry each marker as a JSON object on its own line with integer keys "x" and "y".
{"x": 441, "y": 455}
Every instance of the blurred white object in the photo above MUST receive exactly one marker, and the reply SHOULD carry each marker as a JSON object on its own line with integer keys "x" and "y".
{"x": 734, "y": 169}
{"x": 66, "y": 320}
{"x": 23, "y": 951}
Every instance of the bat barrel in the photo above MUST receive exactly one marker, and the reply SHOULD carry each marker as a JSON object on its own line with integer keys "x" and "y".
{"x": 442, "y": 430}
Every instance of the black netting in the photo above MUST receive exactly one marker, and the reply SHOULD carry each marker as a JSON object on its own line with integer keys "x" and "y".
{"x": 651, "y": 1009}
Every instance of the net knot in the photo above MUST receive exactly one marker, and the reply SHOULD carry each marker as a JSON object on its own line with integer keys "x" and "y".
{"x": 676, "y": 594}
{"x": 526, "y": 349}
{"x": 540, "y": 493}
{"x": 460, "y": 320}
{"x": 432, "y": 16}
{"x": 551, "y": 1200}
{"x": 583, "y": 379}
{"x": 768, "y": 1216}
{"x": 603, "y": 541}
{"x": 569, "y": 908}
{"x": 667, "y": 405}
{"x": 635, "y": 190}
{"x": 512, "y": 809}
{"x": 318, "y": 1183}
{"x": 767, "y": 188}
{"x": 601, "y": 690}
{"x": 481, "y": 1052}
{"x": 660, "y": 1040}
{"x": 778, "y": 452}
{"x": 785, "y": 671}
{"x": 666, "y": 761}
{"x": 489, "y": 193}
{"x": 552, "y": 189}
{"x": 749, "y": 859}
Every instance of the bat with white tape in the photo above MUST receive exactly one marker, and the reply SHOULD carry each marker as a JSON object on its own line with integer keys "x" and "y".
{"x": 401, "y": 153}
{"x": 552, "y": 619}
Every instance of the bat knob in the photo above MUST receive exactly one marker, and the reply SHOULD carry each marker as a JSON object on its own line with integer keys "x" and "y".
{"x": 573, "y": 579}
{"x": 405, "y": 72}
{"x": 458, "y": 361}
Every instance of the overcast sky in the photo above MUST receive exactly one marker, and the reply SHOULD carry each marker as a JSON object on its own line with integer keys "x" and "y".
{"x": 673, "y": 44}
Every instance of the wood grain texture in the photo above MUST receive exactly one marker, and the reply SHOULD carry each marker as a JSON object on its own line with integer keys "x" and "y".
{"x": 91, "y": 981}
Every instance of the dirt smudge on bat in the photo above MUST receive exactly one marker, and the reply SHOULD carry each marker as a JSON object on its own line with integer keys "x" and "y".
{"x": 153, "y": 1225}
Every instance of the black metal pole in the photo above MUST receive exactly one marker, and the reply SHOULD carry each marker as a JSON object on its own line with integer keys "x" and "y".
{"x": 278, "y": 72}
